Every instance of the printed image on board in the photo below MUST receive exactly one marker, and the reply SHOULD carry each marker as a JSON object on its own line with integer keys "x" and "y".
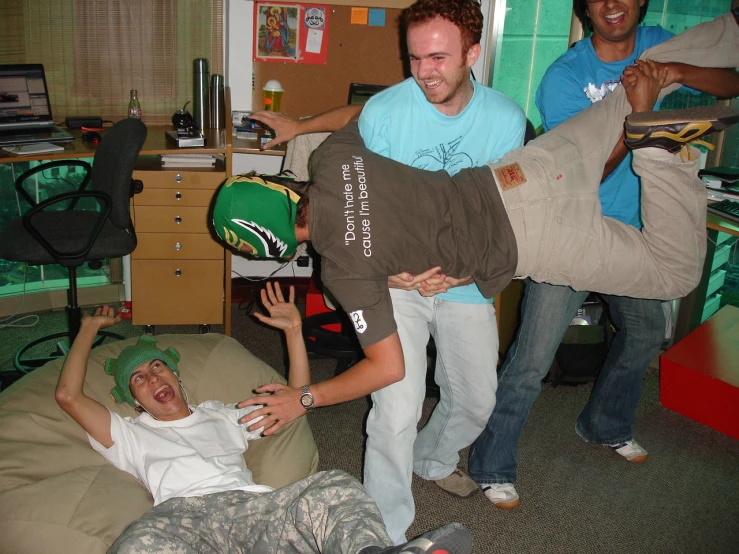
{"x": 296, "y": 33}
{"x": 315, "y": 18}
{"x": 278, "y": 33}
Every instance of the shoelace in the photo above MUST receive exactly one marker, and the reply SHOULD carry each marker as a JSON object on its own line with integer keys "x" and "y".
{"x": 687, "y": 156}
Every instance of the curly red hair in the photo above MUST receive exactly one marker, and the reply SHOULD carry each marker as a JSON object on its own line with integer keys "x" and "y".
{"x": 464, "y": 14}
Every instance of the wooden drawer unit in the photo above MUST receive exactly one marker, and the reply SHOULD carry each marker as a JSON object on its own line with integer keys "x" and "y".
{"x": 167, "y": 219}
{"x": 177, "y": 246}
{"x": 183, "y": 179}
{"x": 177, "y": 269}
{"x": 171, "y": 292}
{"x": 174, "y": 197}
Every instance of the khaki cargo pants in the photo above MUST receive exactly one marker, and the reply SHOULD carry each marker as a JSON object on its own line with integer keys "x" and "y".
{"x": 562, "y": 236}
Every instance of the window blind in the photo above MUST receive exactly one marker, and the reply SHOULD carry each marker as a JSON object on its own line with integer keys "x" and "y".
{"x": 95, "y": 51}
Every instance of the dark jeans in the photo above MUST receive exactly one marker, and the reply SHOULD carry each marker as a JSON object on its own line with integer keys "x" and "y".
{"x": 607, "y": 418}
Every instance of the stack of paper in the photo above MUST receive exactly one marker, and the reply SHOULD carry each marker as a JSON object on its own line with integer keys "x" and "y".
{"x": 36, "y": 148}
{"x": 189, "y": 160}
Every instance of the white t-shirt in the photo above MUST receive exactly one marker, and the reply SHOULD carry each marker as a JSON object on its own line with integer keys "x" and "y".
{"x": 198, "y": 455}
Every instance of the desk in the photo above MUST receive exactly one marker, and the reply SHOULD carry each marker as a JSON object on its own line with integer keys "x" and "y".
{"x": 699, "y": 376}
{"x": 179, "y": 273}
{"x": 690, "y": 311}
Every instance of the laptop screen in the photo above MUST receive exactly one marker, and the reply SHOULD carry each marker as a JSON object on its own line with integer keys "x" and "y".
{"x": 24, "y": 100}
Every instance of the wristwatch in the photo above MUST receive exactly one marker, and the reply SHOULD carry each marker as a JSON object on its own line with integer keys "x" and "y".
{"x": 306, "y": 398}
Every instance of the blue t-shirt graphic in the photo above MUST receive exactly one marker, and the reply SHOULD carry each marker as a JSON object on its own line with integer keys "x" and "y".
{"x": 399, "y": 123}
{"x": 577, "y": 79}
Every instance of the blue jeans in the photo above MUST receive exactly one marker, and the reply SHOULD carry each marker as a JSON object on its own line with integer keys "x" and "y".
{"x": 607, "y": 418}
{"x": 466, "y": 337}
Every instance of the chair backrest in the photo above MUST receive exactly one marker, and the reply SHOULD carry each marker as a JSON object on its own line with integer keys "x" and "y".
{"x": 115, "y": 159}
{"x": 298, "y": 153}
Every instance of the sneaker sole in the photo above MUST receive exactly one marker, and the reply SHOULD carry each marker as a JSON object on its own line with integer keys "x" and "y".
{"x": 507, "y": 505}
{"x": 676, "y": 128}
{"x": 637, "y": 459}
{"x": 454, "y": 541}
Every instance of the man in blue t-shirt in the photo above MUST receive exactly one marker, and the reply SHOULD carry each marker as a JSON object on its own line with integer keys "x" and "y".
{"x": 438, "y": 119}
{"x": 409, "y": 124}
{"x": 586, "y": 73}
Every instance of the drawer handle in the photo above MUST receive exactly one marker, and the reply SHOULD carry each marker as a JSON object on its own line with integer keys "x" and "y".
{"x": 178, "y": 195}
{"x": 178, "y": 246}
{"x": 178, "y": 272}
{"x": 178, "y": 220}
{"x": 178, "y": 178}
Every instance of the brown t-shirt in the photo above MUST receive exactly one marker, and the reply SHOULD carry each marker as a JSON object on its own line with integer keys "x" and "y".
{"x": 372, "y": 217}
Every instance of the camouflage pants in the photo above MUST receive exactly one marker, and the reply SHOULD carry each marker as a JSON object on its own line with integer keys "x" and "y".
{"x": 327, "y": 512}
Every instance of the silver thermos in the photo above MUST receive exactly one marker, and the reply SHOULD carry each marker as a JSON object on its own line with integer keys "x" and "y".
{"x": 201, "y": 110}
{"x": 217, "y": 100}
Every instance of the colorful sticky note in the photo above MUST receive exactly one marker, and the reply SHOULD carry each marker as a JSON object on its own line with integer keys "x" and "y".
{"x": 376, "y": 17}
{"x": 359, "y": 16}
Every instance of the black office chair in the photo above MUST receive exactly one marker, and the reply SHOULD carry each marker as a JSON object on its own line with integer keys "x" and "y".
{"x": 61, "y": 231}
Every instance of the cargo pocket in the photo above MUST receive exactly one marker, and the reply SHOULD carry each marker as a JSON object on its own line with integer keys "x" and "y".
{"x": 577, "y": 246}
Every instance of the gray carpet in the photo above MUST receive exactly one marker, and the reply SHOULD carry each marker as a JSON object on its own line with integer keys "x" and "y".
{"x": 576, "y": 497}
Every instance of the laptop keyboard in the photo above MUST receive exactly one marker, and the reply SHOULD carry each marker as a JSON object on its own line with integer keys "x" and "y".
{"x": 726, "y": 209}
{"x": 29, "y": 132}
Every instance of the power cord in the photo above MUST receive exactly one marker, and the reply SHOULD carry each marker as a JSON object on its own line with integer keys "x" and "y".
{"x": 35, "y": 318}
{"x": 257, "y": 283}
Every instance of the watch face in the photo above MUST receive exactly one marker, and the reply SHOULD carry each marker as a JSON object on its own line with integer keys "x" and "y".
{"x": 306, "y": 400}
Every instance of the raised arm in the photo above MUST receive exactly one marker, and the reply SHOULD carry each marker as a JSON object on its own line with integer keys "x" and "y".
{"x": 722, "y": 83}
{"x": 285, "y": 315}
{"x": 655, "y": 71}
{"x": 92, "y": 416}
{"x": 287, "y": 128}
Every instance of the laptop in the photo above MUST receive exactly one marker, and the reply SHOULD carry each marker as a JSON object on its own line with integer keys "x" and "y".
{"x": 25, "y": 110}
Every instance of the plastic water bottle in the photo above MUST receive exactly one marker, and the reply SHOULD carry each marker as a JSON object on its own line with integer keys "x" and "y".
{"x": 134, "y": 108}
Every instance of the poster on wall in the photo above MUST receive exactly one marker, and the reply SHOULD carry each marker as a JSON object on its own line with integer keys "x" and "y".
{"x": 290, "y": 33}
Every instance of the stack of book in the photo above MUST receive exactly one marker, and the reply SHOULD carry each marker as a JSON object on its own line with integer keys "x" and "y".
{"x": 190, "y": 160}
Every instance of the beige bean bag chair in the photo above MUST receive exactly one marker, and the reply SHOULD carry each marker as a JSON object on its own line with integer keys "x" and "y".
{"x": 58, "y": 495}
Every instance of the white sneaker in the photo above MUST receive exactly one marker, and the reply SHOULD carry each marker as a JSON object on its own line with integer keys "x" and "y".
{"x": 630, "y": 450}
{"x": 502, "y": 495}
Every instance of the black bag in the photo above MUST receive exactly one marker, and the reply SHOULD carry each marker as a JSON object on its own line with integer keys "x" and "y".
{"x": 584, "y": 348}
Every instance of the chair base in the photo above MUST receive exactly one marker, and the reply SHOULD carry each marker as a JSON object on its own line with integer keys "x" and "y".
{"x": 324, "y": 343}
{"x": 59, "y": 350}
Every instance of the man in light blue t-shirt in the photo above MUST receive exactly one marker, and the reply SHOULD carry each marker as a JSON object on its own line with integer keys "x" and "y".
{"x": 409, "y": 124}
{"x": 438, "y": 119}
{"x": 585, "y": 74}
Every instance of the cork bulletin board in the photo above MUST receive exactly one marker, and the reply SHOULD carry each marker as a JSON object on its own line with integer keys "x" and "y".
{"x": 356, "y": 54}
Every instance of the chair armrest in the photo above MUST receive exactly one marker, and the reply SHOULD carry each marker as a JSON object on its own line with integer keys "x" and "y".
{"x": 50, "y": 165}
{"x": 104, "y": 201}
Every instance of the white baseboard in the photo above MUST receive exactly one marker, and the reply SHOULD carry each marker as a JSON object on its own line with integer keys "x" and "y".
{"x": 241, "y": 267}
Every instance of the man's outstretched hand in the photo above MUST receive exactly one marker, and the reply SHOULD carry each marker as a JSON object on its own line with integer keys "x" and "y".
{"x": 279, "y": 408}
{"x": 102, "y": 317}
{"x": 284, "y": 126}
{"x": 282, "y": 314}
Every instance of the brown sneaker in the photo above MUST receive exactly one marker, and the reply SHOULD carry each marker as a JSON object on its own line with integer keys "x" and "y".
{"x": 458, "y": 484}
{"x": 673, "y": 129}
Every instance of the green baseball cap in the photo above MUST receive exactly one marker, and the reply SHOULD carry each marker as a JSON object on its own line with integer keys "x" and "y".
{"x": 131, "y": 357}
{"x": 252, "y": 210}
